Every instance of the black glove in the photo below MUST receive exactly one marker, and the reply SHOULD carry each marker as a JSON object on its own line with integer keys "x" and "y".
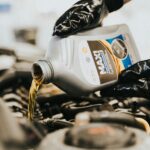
{"x": 134, "y": 81}
{"x": 85, "y": 14}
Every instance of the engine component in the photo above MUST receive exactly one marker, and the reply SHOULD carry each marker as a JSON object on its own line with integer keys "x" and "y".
{"x": 97, "y": 136}
{"x": 7, "y": 58}
{"x": 9, "y": 129}
{"x": 100, "y": 136}
{"x": 109, "y": 117}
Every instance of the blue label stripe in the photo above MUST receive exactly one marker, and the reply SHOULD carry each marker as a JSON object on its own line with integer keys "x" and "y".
{"x": 127, "y": 61}
{"x": 117, "y": 37}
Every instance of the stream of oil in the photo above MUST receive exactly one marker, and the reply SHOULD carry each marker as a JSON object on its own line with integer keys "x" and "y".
{"x": 32, "y": 97}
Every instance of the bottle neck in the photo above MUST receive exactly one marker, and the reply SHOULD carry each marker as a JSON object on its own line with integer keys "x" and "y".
{"x": 42, "y": 70}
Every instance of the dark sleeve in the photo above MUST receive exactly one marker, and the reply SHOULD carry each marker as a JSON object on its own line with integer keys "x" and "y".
{"x": 114, "y": 5}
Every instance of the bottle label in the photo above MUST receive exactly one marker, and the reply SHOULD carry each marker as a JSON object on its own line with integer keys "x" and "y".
{"x": 102, "y": 60}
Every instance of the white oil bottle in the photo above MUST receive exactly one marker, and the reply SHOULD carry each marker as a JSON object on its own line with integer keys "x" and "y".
{"x": 89, "y": 61}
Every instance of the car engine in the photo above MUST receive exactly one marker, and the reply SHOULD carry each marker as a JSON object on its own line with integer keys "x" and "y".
{"x": 64, "y": 122}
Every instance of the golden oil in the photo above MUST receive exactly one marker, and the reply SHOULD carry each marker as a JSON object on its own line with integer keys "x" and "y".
{"x": 36, "y": 83}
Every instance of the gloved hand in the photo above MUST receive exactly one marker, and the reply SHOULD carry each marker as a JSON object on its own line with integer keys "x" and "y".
{"x": 85, "y": 14}
{"x": 134, "y": 81}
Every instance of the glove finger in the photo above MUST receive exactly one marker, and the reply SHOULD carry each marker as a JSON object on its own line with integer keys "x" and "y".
{"x": 137, "y": 89}
{"x": 135, "y": 72}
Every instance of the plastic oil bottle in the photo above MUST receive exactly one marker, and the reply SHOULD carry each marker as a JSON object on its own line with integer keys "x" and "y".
{"x": 84, "y": 63}
{"x": 88, "y": 61}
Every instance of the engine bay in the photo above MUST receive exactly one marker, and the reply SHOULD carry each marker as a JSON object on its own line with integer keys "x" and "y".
{"x": 64, "y": 122}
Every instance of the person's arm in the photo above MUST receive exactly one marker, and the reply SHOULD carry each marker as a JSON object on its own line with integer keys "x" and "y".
{"x": 126, "y": 1}
{"x": 114, "y": 5}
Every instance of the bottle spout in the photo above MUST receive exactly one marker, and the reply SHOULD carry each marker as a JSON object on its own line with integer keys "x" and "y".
{"x": 42, "y": 70}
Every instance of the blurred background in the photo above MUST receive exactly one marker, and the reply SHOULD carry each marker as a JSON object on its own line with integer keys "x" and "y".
{"x": 26, "y": 27}
{"x": 32, "y": 21}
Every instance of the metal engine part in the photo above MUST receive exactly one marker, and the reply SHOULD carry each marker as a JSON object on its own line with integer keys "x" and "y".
{"x": 97, "y": 136}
